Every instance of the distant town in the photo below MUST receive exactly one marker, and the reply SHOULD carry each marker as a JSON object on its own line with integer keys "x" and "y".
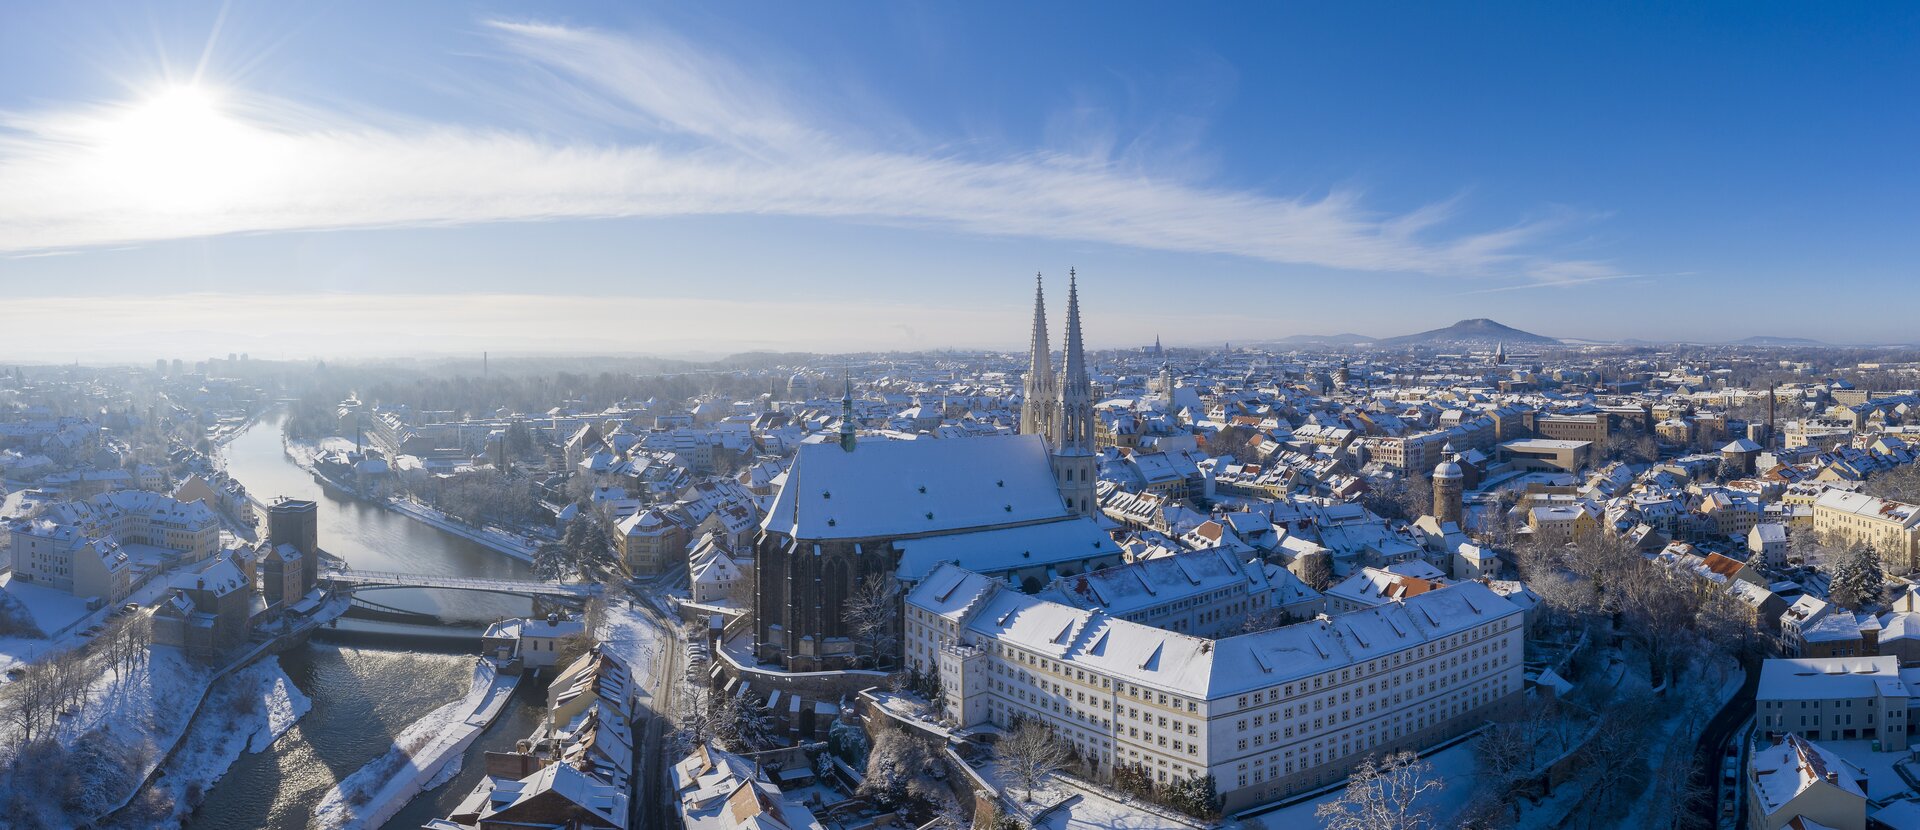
{"x": 1471, "y": 578}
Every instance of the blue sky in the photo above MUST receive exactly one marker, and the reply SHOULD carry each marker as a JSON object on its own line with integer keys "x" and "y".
{"x": 359, "y": 177}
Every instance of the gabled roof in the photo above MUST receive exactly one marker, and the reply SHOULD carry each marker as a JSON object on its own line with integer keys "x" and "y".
{"x": 914, "y": 488}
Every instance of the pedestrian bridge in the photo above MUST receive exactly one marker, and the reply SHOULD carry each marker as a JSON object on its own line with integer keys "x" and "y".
{"x": 357, "y": 580}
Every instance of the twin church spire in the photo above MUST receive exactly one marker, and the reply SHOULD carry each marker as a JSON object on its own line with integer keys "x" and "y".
{"x": 1059, "y": 406}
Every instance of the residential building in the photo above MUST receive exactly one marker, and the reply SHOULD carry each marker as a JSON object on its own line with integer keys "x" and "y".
{"x": 1796, "y": 784}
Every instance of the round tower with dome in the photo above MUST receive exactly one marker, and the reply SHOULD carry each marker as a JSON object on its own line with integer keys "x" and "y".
{"x": 1448, "y": 483}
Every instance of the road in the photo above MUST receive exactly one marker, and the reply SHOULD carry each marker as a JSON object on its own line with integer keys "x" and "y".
{"x": 651, "y": 806}
{"x": 1706, "y": 755}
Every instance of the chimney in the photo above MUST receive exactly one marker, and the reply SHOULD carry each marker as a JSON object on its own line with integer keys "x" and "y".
{"x": 1833, "y": 777}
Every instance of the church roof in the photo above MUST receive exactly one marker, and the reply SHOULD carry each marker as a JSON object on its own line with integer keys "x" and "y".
{"x": 915, "y": 488}
{"x": 1007, "y": 548}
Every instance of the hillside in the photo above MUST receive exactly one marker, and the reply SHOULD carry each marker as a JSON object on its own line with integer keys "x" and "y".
{"x": 1478, "y": 331}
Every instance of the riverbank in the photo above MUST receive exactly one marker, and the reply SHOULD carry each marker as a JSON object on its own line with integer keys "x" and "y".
{"x": 492, "y": 537}
{"x": 246, "y": 712}
{"x": 426, "y": 753}
{"x": 304, "y": 453}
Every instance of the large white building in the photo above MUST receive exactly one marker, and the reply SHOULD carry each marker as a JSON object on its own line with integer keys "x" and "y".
{"x": 1268, "y": 714}
{"x": 1206, "y": 593}
{"x": 76, "y": 546}
{"x": 1891, "y": 528}
{"x": 1838, "y": 699}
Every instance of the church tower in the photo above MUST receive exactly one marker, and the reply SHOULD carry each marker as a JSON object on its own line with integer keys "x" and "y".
{"x": 1448, "y": 482}
{"x": 847, "y": 437}
{"x": 1038, "y": 415}
{"x": 1074, "y": 462}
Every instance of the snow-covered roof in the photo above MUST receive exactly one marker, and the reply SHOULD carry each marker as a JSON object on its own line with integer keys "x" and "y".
{"x": 1007, "y": 548}
{"x": 1208, "y": 669}
{"x": 1828, "y": 678}
{"x": 1781, "y": 772}
{"x": 910, "y": 488}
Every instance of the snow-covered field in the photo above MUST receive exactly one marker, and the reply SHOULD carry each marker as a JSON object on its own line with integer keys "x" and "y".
{"x": 51, "y": 611}
{"x": 245, "y": 712}
{"x": 419, "y": 757}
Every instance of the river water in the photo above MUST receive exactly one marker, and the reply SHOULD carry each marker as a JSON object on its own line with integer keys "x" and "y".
{"x": 364, "y": 692}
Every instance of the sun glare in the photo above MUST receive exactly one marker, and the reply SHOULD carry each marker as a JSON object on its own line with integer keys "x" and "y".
{"x": 182, "y": 149}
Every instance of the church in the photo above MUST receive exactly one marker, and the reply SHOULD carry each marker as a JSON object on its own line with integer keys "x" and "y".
{"x": 1018, "y": 508}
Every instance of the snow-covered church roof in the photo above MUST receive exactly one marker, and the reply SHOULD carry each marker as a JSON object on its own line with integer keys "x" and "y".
{"x": 912, "y": 488}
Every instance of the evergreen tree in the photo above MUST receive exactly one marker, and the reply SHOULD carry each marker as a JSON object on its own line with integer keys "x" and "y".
{"x": 1857, "y": 580}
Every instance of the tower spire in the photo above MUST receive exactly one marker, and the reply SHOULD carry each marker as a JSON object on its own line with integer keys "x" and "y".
{"x": 846, "y": 413}
{"x": 1075, "y": 466}
{"x": 1076, "y": 388}
{"x": 1037, "y": 413}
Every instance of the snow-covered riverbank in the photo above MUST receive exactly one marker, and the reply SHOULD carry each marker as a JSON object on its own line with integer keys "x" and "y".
{"x": 495, "y": 538}
{"x": 517, "y": 546}
{"x": 419, "y": 758}
{"x": 245, "y": 712}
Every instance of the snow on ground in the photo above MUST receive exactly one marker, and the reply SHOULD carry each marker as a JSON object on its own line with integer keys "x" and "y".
{"x": 245, "y": 712}
{"x": 1454, "y": 765}
{"x": 125, "y": 719}
{"x": 1090, "y": 812}
{"x": 51, "y": 609}
{"x": 631, "y": 634}
{"x": 418, "y": 757}
{"x": 492, "y": 537}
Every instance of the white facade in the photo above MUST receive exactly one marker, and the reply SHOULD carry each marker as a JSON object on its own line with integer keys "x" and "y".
{"x": 1268, "y": 714}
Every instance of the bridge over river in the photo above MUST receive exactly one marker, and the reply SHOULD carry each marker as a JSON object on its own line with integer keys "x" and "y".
{"x": 358, "y": 580}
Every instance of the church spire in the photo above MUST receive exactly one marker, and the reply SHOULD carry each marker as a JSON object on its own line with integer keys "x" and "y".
{"x": 1076, "y": 388}
{"x": 1037, "y": 413}
{"x": 846, "y": 414}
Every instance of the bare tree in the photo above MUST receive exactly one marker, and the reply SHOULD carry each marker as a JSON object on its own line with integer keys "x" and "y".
{"x": 872, "y": 614}
{"x": 1384, "y": 794}
{"x": 32, "y": 702}
{"x": 1658, "y": 608}
{"x": 126, "y": 644}
{"x": 1315, "y": 569}
{"x": 1618, "y": 749}
{"x": 1265, "y": 619}
{"x": 1031, "y": 754}
{"x": 1901, "y": 483}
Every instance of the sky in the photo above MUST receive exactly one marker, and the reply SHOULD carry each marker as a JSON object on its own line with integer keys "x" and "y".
{"x": 181, "y": 179}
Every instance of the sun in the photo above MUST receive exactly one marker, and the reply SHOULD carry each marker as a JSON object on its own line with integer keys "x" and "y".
{"x": 180, "y": 148}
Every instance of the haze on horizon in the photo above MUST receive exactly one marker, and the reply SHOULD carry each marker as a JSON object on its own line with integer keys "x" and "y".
{"x": 187, "y": 179}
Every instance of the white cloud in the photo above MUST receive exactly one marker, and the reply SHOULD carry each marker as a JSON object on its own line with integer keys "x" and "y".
{"x": 721, "y": 139}
{"x": 140, "y": 328}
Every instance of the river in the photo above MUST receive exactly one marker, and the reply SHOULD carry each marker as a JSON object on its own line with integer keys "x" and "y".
{"x": 364, "y": 692}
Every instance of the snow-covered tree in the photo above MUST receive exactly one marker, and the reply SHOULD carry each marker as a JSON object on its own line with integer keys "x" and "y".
{"x": 1384, "y": 794}
{"x": 1031, "y": 754}
{"x": 1857, "y": 580}
{"x": 872, "y": 614}
{"x": 894, "y": 767}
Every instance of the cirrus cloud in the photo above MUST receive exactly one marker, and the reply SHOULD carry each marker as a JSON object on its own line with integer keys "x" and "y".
{"x": 711, "y": 137}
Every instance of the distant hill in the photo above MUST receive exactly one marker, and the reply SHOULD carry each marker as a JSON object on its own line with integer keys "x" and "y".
{"x": 1774, "y": 340}
{"x": 1478, "y": 331}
